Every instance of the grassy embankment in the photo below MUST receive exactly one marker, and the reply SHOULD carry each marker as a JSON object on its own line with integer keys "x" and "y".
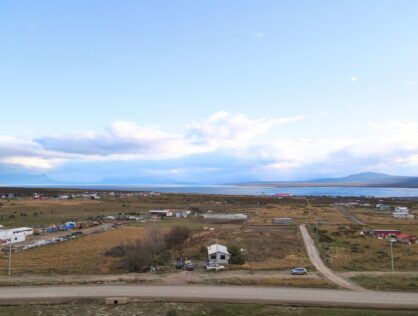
{"x": 189, "y": 309}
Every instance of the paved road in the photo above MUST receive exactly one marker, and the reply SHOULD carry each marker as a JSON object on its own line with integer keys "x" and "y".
{"x": 316, "y": 260}
{"x": 188, "y": 293}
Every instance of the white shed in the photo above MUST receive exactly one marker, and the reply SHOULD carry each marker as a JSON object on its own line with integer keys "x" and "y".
{"x": 218, "y": 253}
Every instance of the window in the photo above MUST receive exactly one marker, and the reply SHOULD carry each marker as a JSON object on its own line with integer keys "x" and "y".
{"x": 223, "y": 257}
{"x": 213, "y": 257}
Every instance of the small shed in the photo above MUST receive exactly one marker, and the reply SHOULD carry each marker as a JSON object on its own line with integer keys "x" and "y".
{"x": 161, "y": 213}
{"x": 219, "y": 254}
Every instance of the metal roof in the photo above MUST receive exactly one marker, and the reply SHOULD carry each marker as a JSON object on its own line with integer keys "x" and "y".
{"x": 217, "y": 248}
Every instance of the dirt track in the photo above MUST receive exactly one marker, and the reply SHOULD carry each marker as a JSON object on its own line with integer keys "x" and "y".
{"x": 316, "y": 260}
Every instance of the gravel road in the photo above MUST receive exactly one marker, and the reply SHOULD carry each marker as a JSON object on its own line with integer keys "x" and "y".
{"x": 187, "y": 293}
{"x": 316, "y": 260}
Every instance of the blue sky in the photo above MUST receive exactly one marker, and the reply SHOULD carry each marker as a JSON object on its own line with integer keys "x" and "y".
{"x": 212, "y": 91}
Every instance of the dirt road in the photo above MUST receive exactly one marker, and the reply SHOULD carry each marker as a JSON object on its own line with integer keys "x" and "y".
{"x": 239, "y": 294}
{"x": 173, "y": 278}
{"x": 350, "y": 216}
{"x": 316, "y": 260}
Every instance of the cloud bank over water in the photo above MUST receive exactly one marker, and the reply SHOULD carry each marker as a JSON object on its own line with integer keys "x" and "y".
{"x": 223, "y": 147}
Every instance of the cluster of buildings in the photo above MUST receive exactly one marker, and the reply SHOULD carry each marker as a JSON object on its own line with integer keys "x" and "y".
{"x": 8, "y": 196}
{"x": 402, "y": 212}
{"x": 394, "y": 235}
{"x": 398, "y": 212}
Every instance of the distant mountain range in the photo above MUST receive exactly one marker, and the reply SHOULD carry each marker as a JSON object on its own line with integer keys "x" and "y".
{"x": 22, "y": 179}
{"x": 365, "y": 179}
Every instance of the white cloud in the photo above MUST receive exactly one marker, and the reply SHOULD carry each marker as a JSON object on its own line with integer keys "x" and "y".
{"x": 388, "y": 145}
{"x": 354, "y": 78}
{"x": 411, "y": 82}
{"x": 32, "y": 162}
{"x": 223, "y": 130}
{"x": 259, "y": 34}
{"x": 127, "y": 141}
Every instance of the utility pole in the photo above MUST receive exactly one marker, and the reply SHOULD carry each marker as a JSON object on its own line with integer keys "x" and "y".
{"x": 391, "y": 256}
{"x": 10, "y": 257}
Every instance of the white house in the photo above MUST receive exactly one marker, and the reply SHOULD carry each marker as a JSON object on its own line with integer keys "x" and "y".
{"x": 219, "y": 254}
{"x": 402, "y": 212}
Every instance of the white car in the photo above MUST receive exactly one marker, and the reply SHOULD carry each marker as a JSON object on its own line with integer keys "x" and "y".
{"x": 214, "y": 266}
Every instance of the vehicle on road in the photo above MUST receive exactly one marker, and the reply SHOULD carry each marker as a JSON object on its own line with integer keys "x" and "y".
{"x": 298, "y": 271}
{"x": 213, "y": 266}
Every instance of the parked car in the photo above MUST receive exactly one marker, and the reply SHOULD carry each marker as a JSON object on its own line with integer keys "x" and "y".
{"x": 179, "y": 264}
{"x": 189, "y": 266}
{"x": 298, "y": 271}
{"x": 214, "y": 266}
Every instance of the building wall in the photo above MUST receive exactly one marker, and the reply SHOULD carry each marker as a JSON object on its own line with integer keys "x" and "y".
{"x": 219, "y": 257}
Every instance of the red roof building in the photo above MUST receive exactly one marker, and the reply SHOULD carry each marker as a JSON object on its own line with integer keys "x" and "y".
{"x": 383, "y": 233}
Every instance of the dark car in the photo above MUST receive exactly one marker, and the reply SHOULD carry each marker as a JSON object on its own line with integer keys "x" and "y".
{"x": 189, "y": 266}
{"x": 179, "y": 264}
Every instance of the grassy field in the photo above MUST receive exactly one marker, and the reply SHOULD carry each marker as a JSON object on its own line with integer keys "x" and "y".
{"x": 81, "y": 256}
{"x": 343, "y": 248}
{"x": 265, "y": 250}
{"x": 188, "y": 309}
{"x": 266, "y": 246}
{"x": 395, "y": 283}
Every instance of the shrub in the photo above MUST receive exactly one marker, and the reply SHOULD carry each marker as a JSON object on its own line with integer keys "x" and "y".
{"x": 153, "y": 250}
{"x": 236, "y": 255}
{"x": 176, "y": 236}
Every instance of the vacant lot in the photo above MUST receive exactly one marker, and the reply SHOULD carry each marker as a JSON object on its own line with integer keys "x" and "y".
{"x": 82, "y": 256}
{"x": 389, "y": 283}
{"x": 265, "y": 247}
{"x": 343, "y": 248}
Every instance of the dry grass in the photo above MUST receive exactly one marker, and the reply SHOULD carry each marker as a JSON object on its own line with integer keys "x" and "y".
{"x": 344, "y": 249}
{"x": 300, "y": 214}
{"x": 388, "y": 283}
{"x": 371, "y": 216}
{"x": 264, "y": 250}
{"x": 82, "y": 256}
{"x": 302, "y": 282}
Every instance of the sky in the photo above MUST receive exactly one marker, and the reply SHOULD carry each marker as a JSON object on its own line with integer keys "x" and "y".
{"x": 208, "y": 91}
